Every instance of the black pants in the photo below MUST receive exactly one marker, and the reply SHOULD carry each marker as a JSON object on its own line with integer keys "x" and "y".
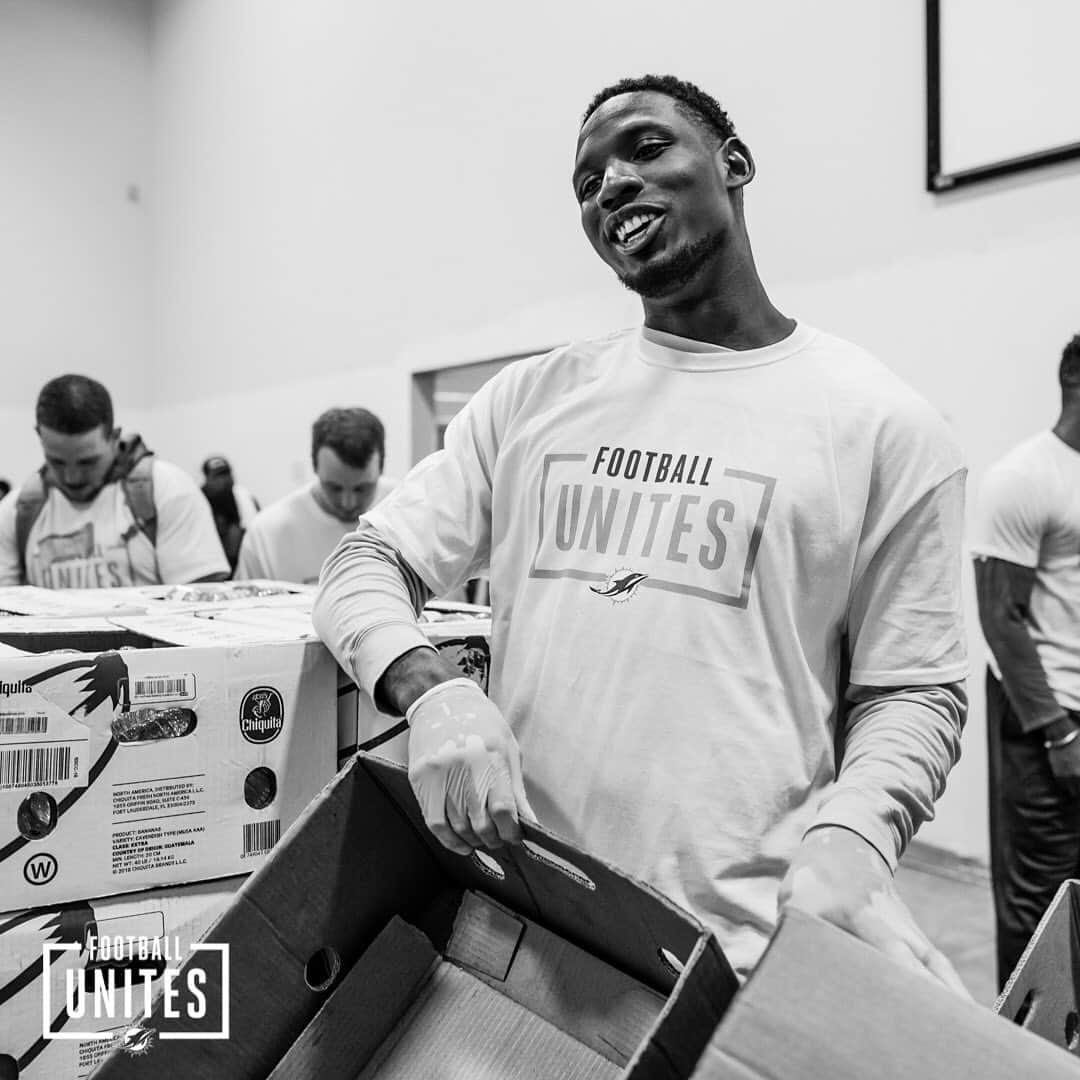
{"x": 1034, "y": 829}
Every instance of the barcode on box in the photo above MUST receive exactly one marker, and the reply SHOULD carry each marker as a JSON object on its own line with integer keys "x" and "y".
{"x": 35, "y": 766}
{"x": 261, "y": 836}
{"x": 24, "y": 725}
{"x": 162, "y": 688}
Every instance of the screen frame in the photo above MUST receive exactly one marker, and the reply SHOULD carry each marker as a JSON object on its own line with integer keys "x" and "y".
{"x": 939, "y": 181}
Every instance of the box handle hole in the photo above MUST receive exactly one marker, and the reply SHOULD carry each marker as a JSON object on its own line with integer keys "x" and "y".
{"x": 9, "y": 1067}
{"x": 488, "y": 864}
{"x": 671, "y": 961}
{"x": 322, "y": 968}
{"x": 37, "y": 817}
{"x": 1072, "y": 1031}
{"x": 260, "y": 788}
{"x": 1023, "y": 1014}
{"x": 568, "y": 868}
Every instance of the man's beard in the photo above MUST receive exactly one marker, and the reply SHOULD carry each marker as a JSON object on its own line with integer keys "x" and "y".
{"x": 669, "y": 273}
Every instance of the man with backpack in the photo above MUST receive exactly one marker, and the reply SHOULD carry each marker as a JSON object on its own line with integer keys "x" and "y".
{"x": 103, "y": 511}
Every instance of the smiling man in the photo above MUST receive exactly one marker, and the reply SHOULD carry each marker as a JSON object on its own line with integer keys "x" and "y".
{"x": 290, "y": 539}
{"x": 692, "y": 528}
{"x": 103, "y": 511}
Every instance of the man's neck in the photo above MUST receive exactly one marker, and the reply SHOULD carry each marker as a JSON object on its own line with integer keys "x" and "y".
{"x": 1067, "y": 429}
{"x": 728, "y": 307}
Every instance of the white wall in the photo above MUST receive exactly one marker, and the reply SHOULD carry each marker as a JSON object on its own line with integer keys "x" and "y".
{"x": 344, "y": 192}
{"x": 74, "y": 255}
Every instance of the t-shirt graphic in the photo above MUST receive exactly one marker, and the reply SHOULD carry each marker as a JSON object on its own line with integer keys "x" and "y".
{"x": 628, "y": 518}
{"x": 75, "y": 561}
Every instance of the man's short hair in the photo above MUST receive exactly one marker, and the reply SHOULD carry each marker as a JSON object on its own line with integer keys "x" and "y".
{"x": 216, "y": 465}
{"x": 353, "y": 434}
{"x": 700, "y": 108}
{"x": 73, "y": 405}
{"x": 1069, "y": 371}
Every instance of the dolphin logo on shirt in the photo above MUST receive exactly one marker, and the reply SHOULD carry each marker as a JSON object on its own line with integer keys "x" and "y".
{"x": 619, "y": 585}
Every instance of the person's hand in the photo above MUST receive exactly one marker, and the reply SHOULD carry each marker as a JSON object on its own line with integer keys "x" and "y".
{"x": 465, "y": 768}
{"x": 1062, "y": 743}
{"x": 841, "y": 878}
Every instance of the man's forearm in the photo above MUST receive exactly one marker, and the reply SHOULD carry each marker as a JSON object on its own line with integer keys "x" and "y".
{"x": 1024, "y": 677}
{"x": 411, "y": 675}
{"x": 366, "y": 612}
{"x": 899, "y": 744}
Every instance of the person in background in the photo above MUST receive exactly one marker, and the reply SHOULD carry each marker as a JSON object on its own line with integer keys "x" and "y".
{"x": 234, "y": 507}
{"x": 1026, "y": 536}
{"x": 692, "y": 527}
{"x": 103, "y": 511}
{"x": 291, "y": 538}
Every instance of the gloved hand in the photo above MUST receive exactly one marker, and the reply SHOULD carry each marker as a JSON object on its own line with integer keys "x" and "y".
{"x": 465, "y": 768}
{"x": 840, "y": 877}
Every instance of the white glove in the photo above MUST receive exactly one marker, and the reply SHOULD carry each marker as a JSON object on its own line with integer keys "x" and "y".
{"x": 465, "y": 768}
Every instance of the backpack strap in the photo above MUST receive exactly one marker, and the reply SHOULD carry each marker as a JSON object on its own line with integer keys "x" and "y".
{"x": 139, "y": 491}
{"x": 28, "y": 506}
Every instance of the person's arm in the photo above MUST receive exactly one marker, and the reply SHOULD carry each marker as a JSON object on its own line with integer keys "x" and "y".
{"x": 188, "y": 548}
{"x": 1004, "y": 594}
{"x": 10, "y": 563}
{"x": 432, "y": 533}
{"x": 901, "y": 735}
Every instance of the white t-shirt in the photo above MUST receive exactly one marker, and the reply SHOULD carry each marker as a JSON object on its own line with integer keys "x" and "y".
{"x": 290, "y": 539}
{"x": 1028, "y": 513}
{"x": 677, "y": 538}
{"x": 98, "y": 545}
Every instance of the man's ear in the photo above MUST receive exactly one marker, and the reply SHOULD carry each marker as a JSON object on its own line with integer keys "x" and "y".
{"x": 738, "y": 162}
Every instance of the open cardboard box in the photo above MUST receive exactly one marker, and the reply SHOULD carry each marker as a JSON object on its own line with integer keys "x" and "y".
{"x": 823, "y": 1005}
{"x": 364, "y": 948}
{"x": 1043, "y": 993}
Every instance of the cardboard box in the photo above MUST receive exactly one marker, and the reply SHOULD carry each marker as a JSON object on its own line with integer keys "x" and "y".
{"x": 461, "y": 632}
{"x": 151, "y": 599}
{"x": 823, "y": 1005}
{"x": 134, "y": 764}
{"x": 1043, "y": 993}
{"x": 389, "y": 954}
{"x": 157, "y": 929}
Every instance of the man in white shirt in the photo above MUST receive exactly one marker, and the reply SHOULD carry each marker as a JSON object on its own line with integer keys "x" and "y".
{"x": 692, "y": 528}
{"x": 103, "y": 511}
{"x": 291, "y": 538}
{"x": 1026, "y": 537}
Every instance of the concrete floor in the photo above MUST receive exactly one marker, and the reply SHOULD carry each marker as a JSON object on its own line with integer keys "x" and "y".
{"x": 950, "y": 899}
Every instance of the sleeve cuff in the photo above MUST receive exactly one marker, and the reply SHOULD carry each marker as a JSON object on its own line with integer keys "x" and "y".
{"x": 381, "y": 647}
{"x": 850, "y": 810}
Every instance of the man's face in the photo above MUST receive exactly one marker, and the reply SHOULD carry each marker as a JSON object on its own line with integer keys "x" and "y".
{"x": 79, "y": 464}
{"x": 653, "y": 192}
{"x": 345, "y": 490}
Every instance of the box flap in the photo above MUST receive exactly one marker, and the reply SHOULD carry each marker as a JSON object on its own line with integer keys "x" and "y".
{"x": 363, "y": 1009}
{"x": 823, "y": 1004}
{"x": 1042, "y": 993}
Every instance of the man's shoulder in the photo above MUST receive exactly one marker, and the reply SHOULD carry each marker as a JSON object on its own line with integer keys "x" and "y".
{"x": 170, "y": 480}
{"x": 1028, "y": 468}
{"x": 296, "y": 503}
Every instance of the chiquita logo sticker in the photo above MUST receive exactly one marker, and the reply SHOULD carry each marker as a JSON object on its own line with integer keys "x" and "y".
{"x": 262, "y": 715}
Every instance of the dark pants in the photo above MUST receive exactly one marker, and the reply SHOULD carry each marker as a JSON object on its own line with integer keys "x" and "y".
{"x": 1034, "y": 829}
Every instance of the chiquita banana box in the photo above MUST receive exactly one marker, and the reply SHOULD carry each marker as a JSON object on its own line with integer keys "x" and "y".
{"x": 127, "y": 765}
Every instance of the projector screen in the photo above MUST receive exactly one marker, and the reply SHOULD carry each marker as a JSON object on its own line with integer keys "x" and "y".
{"x": 1003, "y": 90}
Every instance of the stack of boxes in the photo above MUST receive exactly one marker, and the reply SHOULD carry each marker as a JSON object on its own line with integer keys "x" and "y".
{"x": 154, "y": 746}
